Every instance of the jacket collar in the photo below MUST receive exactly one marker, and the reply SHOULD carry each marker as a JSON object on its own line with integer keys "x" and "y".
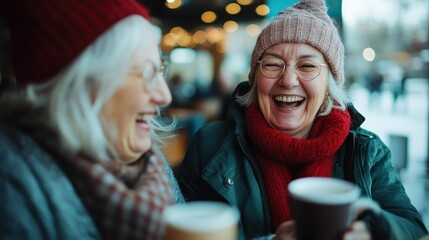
{"x": 237, "y": 113}
{"x": 356, "y": 117}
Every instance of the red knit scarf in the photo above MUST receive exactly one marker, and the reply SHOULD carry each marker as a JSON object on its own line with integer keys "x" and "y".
{"x": 283, "y": 158}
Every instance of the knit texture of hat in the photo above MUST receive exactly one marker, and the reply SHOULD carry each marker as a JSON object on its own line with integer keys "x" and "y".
{"x": 305, "y": 22}
{"x": 47, "y": 35}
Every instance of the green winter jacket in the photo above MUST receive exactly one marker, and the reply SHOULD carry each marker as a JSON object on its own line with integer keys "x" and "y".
{"x": 220, "y": 166}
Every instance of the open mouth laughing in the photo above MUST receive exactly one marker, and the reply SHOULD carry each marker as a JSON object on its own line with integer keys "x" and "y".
{"x": 290, "y": 102}
{"x": 143, "y": 120}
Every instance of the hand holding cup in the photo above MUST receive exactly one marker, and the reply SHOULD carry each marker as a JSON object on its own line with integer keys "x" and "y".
{"x": 323, "y": 208}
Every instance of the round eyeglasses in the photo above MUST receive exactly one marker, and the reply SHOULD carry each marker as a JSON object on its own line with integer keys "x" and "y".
{"x": 307, "y": 70}
{"x": 151, "y": 74}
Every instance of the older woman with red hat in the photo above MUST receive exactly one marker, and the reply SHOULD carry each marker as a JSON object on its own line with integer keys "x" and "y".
{"x": 78, "y": 136}
{"x": 292, "y": 120}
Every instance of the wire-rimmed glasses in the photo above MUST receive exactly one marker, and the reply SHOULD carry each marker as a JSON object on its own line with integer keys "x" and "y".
{"x": 273, "y": 68}
{"x": 151, "y": 74}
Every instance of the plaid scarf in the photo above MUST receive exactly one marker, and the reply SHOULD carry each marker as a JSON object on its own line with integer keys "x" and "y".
{"x": 125, "y": 201}
{"x": 282, "y": 158}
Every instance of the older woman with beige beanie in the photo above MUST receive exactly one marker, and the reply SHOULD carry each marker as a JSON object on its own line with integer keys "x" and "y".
{"x": 292, "y": 120}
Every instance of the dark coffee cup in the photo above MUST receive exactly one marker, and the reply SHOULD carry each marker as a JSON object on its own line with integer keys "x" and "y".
{"x": 324, "y": 207}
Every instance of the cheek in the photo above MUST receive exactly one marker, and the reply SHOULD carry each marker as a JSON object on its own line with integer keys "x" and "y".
{"x": 124, "y": 105}
{"x": 264, "y": 86}
{"x": 317, "y": 92}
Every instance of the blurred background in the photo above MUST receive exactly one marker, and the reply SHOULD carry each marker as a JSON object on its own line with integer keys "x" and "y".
{"x": 210, "y": 42}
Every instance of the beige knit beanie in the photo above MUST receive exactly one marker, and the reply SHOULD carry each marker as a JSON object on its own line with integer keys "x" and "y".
{"x": 305, "y": 22}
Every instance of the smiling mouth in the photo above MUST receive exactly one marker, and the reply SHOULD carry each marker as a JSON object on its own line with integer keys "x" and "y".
{"x": 289, "y": 101}
{"x": 143, "y": 118}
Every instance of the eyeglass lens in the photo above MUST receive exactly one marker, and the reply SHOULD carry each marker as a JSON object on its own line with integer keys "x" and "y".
{"x": 150, "y": 74}
{"x": 305, "y": 69}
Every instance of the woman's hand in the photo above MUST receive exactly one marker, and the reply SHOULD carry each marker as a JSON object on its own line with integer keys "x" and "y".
{"x": 356, "y": 231}
{"x": 286, "y": 231}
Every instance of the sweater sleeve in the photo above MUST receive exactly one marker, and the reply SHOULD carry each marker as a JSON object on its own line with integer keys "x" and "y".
{"x": 398, "y": 218}
{"x": 36, "y": 199}
{"x": 20, "y": 216}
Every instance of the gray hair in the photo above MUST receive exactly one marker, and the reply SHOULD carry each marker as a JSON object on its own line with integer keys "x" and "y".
{"x": 71, "y": 101}
{"x": 336, "y": 97}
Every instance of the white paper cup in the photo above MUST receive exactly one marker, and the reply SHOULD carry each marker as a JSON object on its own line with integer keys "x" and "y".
{"x": 201, "y": 220}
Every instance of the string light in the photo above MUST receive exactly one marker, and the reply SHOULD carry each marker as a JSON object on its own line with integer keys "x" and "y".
{"x": 262, "y": 10}
{"x": 208, "y": 17}
{"x": 245, "y": 2}
{"x": 173, "y": 4}
{"x": 233, "y": 8}
{"x": 230, "y": 26}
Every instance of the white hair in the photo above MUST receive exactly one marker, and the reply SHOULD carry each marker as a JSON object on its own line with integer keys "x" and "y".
{"x": 72, "y": 100}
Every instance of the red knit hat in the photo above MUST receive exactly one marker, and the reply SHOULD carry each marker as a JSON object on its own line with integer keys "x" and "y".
{"x": 47, "y": 35}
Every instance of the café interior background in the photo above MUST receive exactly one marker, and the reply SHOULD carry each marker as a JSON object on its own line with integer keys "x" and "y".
{"x": 210, "y": 42}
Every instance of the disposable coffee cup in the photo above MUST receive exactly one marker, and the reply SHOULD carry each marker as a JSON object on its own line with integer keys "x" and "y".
{"x": 324, "y": 207}
{"x": 201, "y": 220}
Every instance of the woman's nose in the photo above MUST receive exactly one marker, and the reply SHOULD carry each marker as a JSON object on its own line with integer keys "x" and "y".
{"x": 289, "y": 78}
{"x": 161, "y": 95}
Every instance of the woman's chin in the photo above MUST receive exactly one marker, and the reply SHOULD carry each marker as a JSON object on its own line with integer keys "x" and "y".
{"x": 135, "y": 151}
{"x": 144, "y": 145}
